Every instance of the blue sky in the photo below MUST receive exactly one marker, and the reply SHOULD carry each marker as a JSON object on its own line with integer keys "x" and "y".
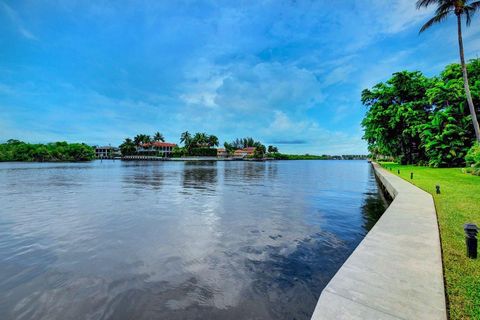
{"x": 288, "y": 73}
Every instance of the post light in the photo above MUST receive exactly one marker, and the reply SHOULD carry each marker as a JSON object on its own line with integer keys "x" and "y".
{"x": 471, "y": 231}
{"x": 437, "y": 187}
{"x": 411, "y": 175}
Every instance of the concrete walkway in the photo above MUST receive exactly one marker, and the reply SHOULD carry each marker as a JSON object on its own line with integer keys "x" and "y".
{"x": 396, "y": 271}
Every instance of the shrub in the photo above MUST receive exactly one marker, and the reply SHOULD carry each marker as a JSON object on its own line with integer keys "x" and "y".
{"x": 472, "y": 159}
{"x": 203, "y": 152}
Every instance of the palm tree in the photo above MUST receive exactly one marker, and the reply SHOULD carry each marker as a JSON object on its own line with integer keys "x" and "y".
{"x": 137, "y": 139}
{"x": 460, "y": 8}
{"x": 127, "y": 147}
{"x": 212, "y": 141}
{"x": 200, "y": 139}
{"x": 157, "y": 137}
{"x": 186, "y": 138}
{"x": 142, "y": 139}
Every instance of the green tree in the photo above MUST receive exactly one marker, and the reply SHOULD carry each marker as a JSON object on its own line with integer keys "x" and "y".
{"x": 141, "y": 139}
{"x": 461, "y": 8}
{"x": 397, "y": 109}
{"x": 229, "y": 147}
{"x": 158, "y": 137}
{"x": 15, "y": 150}
{"x": 259, "y": 152}
{"x": 447, "y": 137}
{"x": 127, "y": 148}
{"x": 200, "y": 139}
{"x": 272, "y": 149}
{"x": 186, "y": 138}
{"x": 212, "y": 141}
{"x": 240, "y": 143}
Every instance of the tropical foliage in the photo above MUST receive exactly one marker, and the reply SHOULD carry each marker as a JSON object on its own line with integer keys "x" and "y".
{"x": 15, "y": 150}
{"x": 200, "y": 144}
{"x": 128, "y": 147}
{"x": 473, "y": 159}
{"x": 422, "y": 120}
{"x": 461, "y": 9}
{"x": 241, "y": 143}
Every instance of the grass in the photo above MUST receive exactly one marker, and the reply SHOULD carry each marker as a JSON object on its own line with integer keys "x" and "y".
{"x": 458, "y": 203}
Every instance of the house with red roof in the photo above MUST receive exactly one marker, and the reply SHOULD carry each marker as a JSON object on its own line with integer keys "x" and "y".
{"x": 156, "y": 147}
{"x": 245, "y": 152}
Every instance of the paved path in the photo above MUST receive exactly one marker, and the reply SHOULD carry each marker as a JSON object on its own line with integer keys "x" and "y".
{"x": 396, "y": 271}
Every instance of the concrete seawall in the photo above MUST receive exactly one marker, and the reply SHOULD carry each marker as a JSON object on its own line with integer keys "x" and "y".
{"x": 396, "y": 271}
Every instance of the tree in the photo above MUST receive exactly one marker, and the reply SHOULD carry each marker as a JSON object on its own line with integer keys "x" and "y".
{"x": 229, "y": 147}
{"x": 200, "y": 139}
{"x": 240, "y": 143}
{"x": 15, "y": 150}
{"x": 142, "y": 139}
{"x": 272, "y": 149}
{"x": 127, "y": 148}
{"x": 158, "y": 137}
{"x": 186, "y": 138}
{"x": 460, "y": 8}
{"x": 422, "y": 120}
{"x": 259, "y": 151}
{"x": 212, "y": 141}
{"x": 397, "y": 109}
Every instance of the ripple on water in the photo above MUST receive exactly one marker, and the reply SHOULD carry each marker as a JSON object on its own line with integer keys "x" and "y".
{"x": 174, "y": 240}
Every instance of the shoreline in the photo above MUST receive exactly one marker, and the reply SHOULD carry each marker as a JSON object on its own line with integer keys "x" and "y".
{"x": 396, "y": 272}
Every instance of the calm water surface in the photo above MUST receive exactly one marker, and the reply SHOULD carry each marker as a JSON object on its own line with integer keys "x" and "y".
{"x": 174, "y": 240}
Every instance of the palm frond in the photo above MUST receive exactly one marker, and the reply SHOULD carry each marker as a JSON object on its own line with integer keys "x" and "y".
{"x": 444, "y": 7}
{"x": 426, "y": 3}
{"x": 475, "y": 5}
{"x": 437, "y": 19}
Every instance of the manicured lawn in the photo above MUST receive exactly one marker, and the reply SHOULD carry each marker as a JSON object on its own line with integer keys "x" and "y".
{"x": 458, "y": 203}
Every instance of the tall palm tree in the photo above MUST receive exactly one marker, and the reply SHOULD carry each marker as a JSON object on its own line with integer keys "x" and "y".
{"x": 212, "y": 141}
{"x": 186, "y": 138}
{"x": 157, "y": 137}
{"x": 141, "y": 139}
{"x": 460, "y": 8}
{"x": 127, "y": 147}
{"x": 200, "y": 139}
{"x": 138, "y": 139}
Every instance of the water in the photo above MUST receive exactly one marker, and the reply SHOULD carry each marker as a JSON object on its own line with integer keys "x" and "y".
{"x": 175, "y": 240}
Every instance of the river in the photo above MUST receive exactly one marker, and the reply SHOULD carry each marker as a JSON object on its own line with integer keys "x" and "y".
{"x": 178, "y": 240}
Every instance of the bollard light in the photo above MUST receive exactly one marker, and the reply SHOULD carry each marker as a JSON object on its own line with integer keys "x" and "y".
{"x": 411, "y": 175}
{"x": 471, "y": 231}
{"x": 398, "y": 171}
{"x": 437, "y": 187}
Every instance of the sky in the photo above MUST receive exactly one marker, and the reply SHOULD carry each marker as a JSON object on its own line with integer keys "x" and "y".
{"x": 287, "y": 73}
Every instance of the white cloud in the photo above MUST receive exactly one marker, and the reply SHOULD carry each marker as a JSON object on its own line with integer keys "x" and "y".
{"x": 301, "y": 135}
{"x": 17, "y": 21}
{"x": 246, "y": 87}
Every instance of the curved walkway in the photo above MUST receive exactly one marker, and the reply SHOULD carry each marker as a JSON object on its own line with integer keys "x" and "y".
{"x": 396, "y": 271}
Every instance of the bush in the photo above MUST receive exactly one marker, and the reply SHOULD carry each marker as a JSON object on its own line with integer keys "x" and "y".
{"x": 203, "y": 152}
{"x": 472, "y": 159}
{"x": 15, "y": 150}
{"x": 178, "y": 152}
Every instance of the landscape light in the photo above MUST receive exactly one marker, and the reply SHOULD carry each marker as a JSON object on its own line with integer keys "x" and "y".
{"x": 411, "y": 175}
{"x": 437, "y": 187}
{"x": 471, "y": 231}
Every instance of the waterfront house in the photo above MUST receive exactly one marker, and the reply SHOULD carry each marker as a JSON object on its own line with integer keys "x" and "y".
{"x": 222, "y": 153}
{"x": 156, "y": 148}
{"x": 106, "y": 152}
{"x": 245, "y": 152}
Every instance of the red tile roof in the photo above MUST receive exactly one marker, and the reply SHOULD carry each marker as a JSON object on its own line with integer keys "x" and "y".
{"x": 248, "y": 151}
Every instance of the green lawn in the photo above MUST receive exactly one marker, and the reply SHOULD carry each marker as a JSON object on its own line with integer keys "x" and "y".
{"x": 458, "y": 203}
